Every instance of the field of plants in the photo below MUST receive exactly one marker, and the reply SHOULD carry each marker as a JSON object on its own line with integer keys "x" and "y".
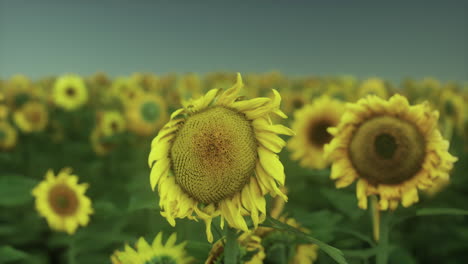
{"x": 232, "y": 168}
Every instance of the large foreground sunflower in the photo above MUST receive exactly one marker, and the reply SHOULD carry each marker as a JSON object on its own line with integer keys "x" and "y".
{"x": 311, "y": 124}
{"x": 391, "y": 148}
{"x": 70, "y": 92}
{"x": 62, "y": 201}
{"x": 217, "y": 157}
{"x": 156, "y": 253}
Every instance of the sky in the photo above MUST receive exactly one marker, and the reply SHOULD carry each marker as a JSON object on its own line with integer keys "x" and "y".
{"x": 391, "y": 39}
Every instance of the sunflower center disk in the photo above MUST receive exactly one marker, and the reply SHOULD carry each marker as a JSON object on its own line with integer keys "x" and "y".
{"x": 150, "y": 111}
{"x": 34, "y": 116}
{"x": 387, "y": 150}
{"x": 70, "y": 91}
{"x": 385, "y": 146}
{"x": 214, "y": 154}
{"x": 63, "y": 200}
{"x": 318, "y": 134}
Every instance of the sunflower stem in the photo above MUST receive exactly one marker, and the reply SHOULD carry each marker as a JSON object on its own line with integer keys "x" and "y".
{"x": 231, "y": 249}
{"x": 383, "y": 247}
{"x": 71, "y": 252}
{"x": 375, "y": 218}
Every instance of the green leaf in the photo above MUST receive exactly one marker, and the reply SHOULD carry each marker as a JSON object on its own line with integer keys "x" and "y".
{"x": 401, "y": 255}
{"x": 15, "y": 190}
{"x": 441, "y": 211}
{"x": 322, "y": 223}
{"x": 333, "y": 252}
{"x": 344, "y": 201}
{"x": 361, "y": 253}
{"x": 143, "y": 200}
{"x": 10, "y": 254}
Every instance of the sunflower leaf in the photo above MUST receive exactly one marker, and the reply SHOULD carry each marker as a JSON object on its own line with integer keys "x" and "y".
{"x": 9, "y": 254}
{"x": 333, "y": 252}
{"x": 441, "y": 211}
{"x": 15, "y": 190}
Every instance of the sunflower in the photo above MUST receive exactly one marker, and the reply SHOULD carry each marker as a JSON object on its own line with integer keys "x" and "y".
{"x": 217, "y": 157}
{"x": 131, "y": 94}
{"x": 295, "y": 99}
{"x": 311, "y": 124}
{"x": 250, "y": 247}
{"x": 100, "y": 145}
{"x": 146, "y": 115}
{"x": 62, "y": 201}
{"x": 189, "y": 85}
{"x": 372, "y": 86}
{"x": 391, "y": 148}
{"x": 31, "y": 117}
{"x": 18, "y": 91}
{"x": 156, "y": 253}
{"x": 70, "y": 92}
{"x": 147, "y": 81}
{"x": 111, "y": 123}
{"x": 8, "y": 136}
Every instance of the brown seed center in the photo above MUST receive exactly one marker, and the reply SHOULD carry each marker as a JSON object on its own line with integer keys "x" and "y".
{"x": 114, "y": 126}
{"x": 387, "y": 150}
{"x": 70, "y": 91}
{"x": 63, "y": 200}
{"x": 34, "y": 116}
{"x": 318, "y": 134}
{"x": 214, "y": 154}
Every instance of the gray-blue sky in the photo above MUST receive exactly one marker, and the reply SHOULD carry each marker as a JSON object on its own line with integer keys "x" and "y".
{"x": 363, "y": 38}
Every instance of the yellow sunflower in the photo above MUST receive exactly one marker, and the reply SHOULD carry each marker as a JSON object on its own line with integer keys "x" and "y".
{"x": 62, "y": 201}
{"x": 99, "y": 143}
{"x": 146, "y": 115}
{"x": 217, "y": 157}
{"x": 18, "y": 90}
{"x": 311, "y": 124}
{"x": 157, "y": 252}
{"x": 249, "y": 243}
{"x": 110, "y": 123}
{"x": 8, "y": 136}
{"x": 189, "y": 85}
{"x": 70, "y": 92}
{"x": 373, "y": 86}
{"x": 295, "y": 99}
{"x": 31, "y": 117}
{"x": 391, "y": 148}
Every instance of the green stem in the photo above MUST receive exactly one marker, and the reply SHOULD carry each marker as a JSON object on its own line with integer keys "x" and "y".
{"x": 231, "y": 249}
{"x": 71, "y": 255}
{"x": 383, "y": 247}
{"x": 375, "y": 218}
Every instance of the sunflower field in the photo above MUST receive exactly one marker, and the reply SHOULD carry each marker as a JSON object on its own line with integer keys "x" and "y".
{"x": 230, "y": 168}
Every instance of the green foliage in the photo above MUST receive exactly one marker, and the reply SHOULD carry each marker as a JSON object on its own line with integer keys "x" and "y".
{"x": 435, "y": 230}
{"x": 15, "y": 190}
{"x": 9, "y": 254}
